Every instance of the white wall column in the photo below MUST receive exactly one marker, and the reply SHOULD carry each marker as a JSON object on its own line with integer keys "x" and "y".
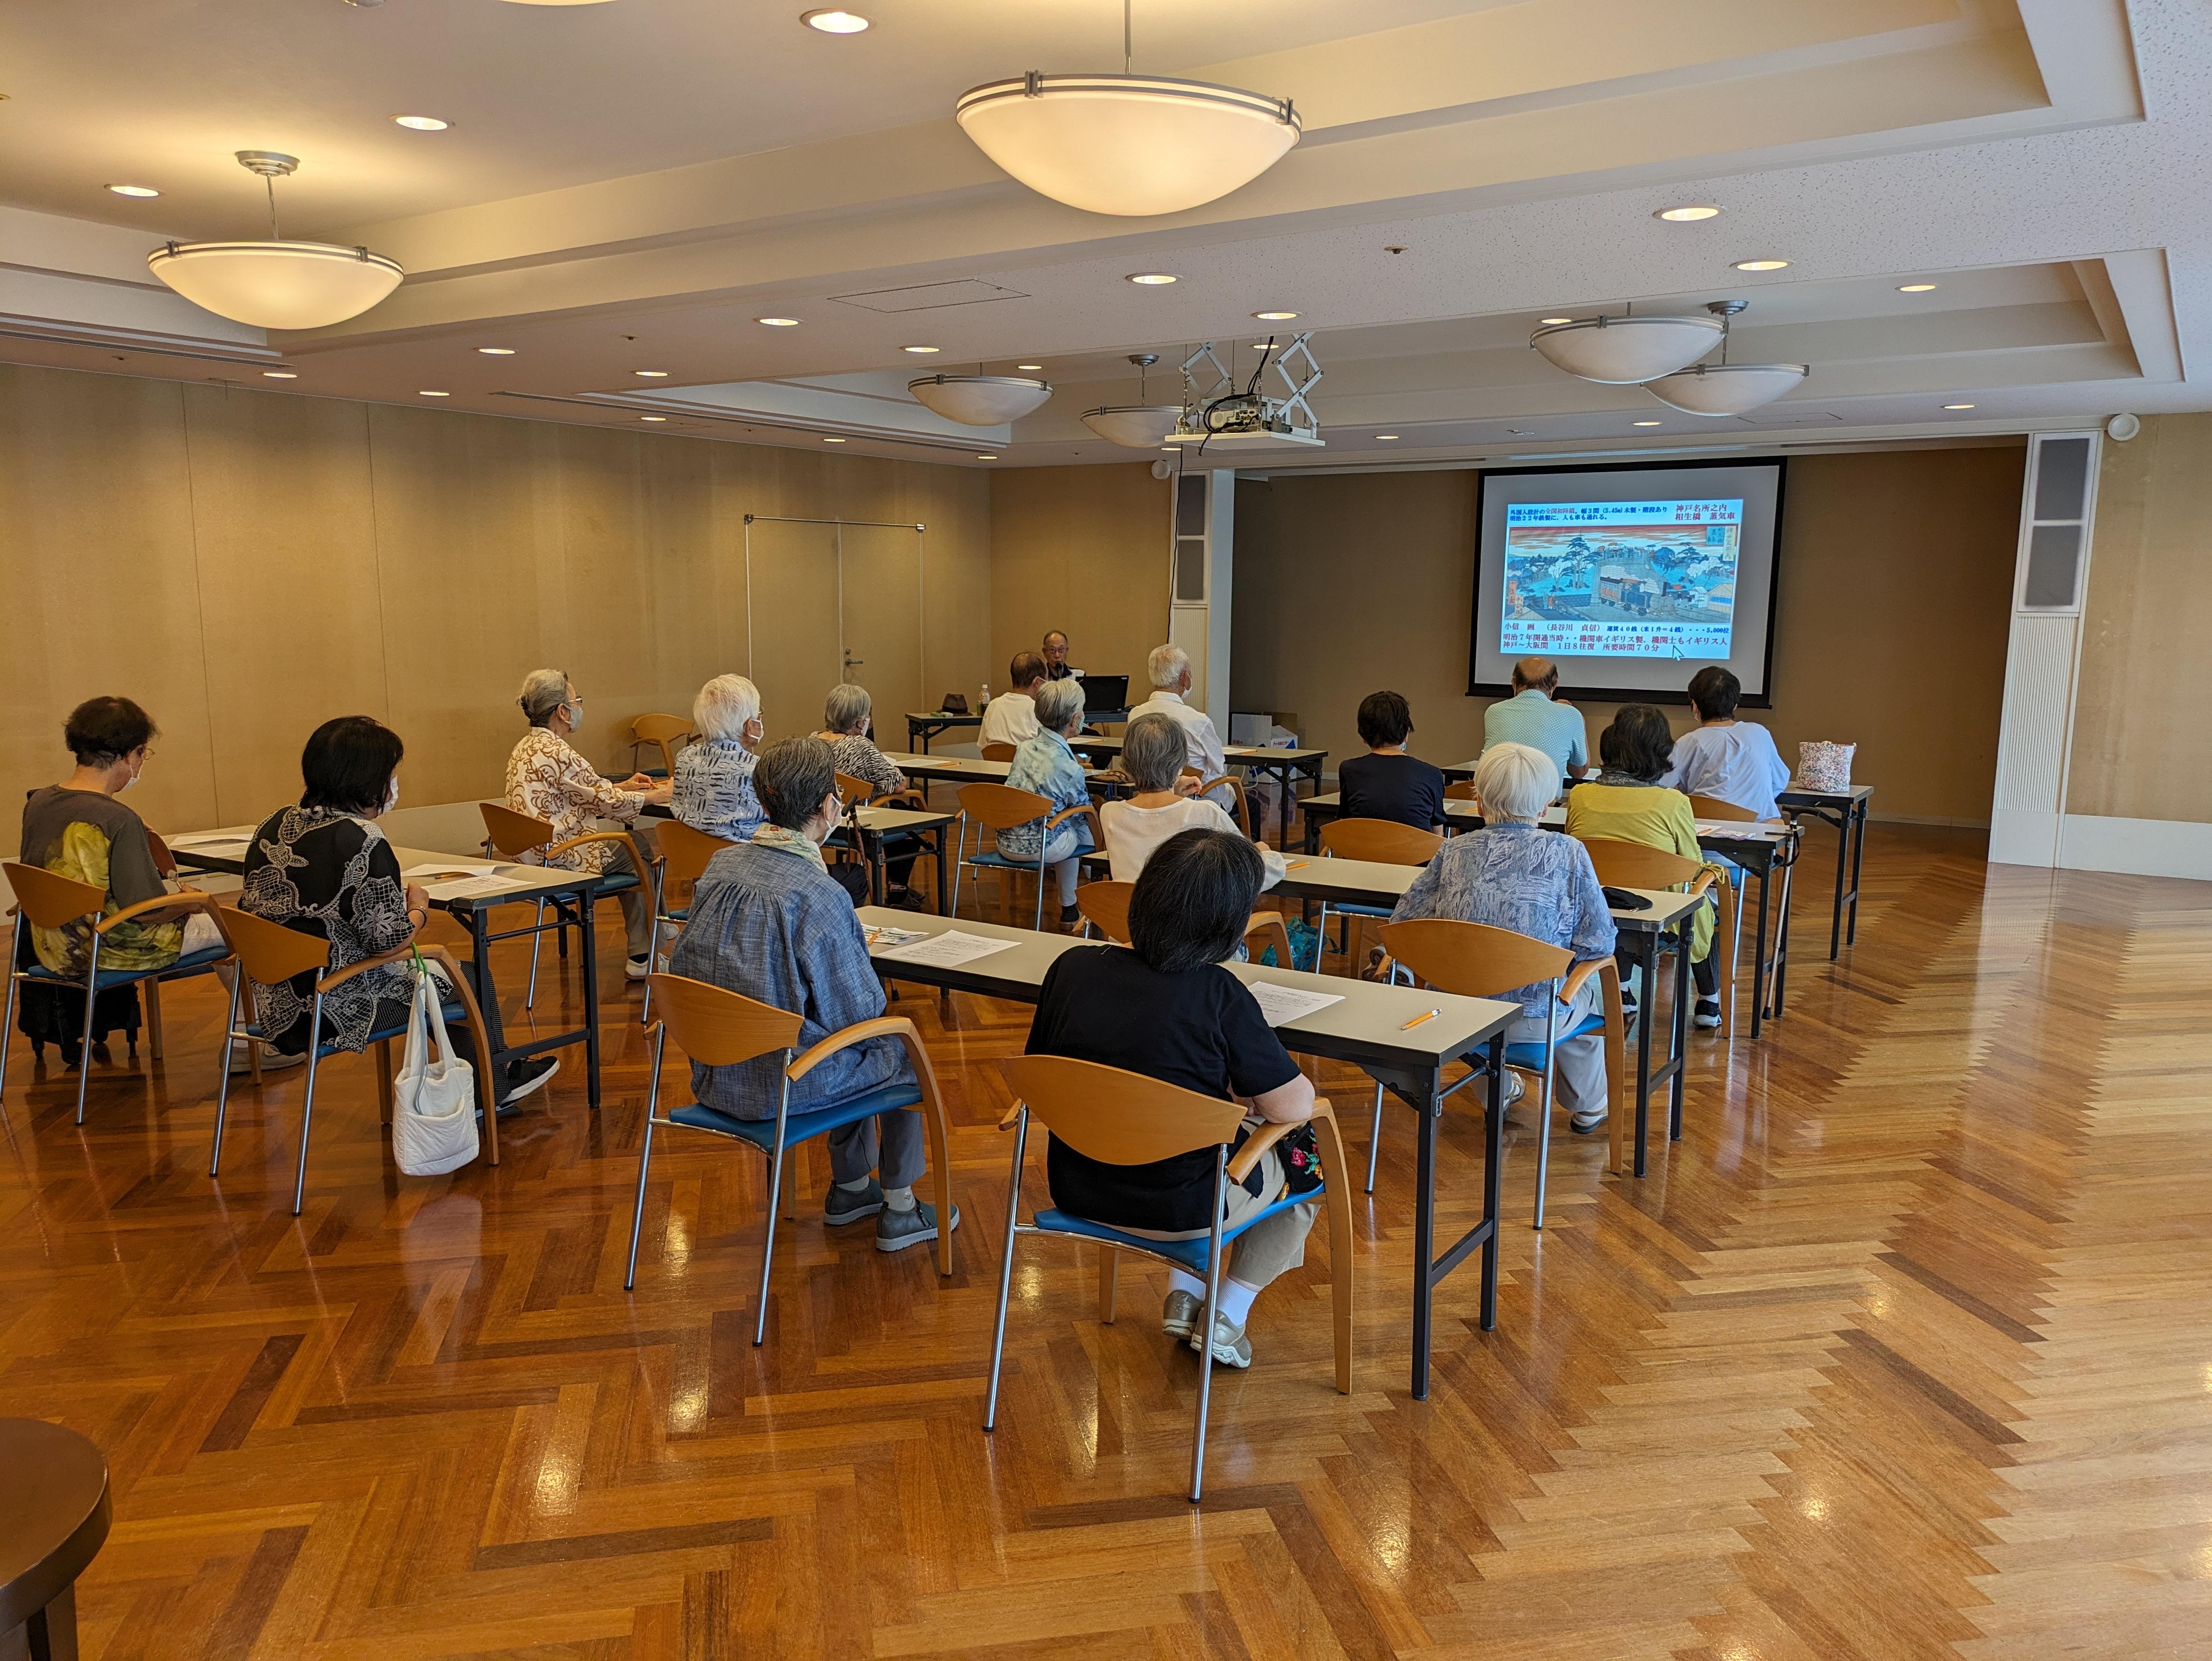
{"x": 1201, "y": 553}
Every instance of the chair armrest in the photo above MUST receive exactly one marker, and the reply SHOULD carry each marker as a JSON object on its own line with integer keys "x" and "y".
{"x": 1579, "y": 976}
{"x": 622, "y": 836}
{"x": 883, "y": 1026}
{"x": 1256, "y": 1145}
{"x": 1012, "y": 1117}
{"x": 1704, "y": 880}
{"x": 1086, "y": 811}
{"x": 162, "y": 907}
{"x": 341, "y": 977}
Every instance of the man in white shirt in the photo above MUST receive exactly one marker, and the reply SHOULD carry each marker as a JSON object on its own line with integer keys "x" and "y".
{"x": 1168, "y": 668}
{"x": 1722, "y": 756}
{"x": 1012, "y": 716}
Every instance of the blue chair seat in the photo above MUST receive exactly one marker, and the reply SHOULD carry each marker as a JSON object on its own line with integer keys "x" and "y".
{"x": 1339, "y": 908}
{"x": 617, "y": 882}
{"x": 456, "y": 1014}
{"x": 995, "y": 858}
{"x": 799, "y": 1126}
{"x": 190, "y": 963}
{"x": 1188, "y": 1254}
{"x": 681, "y": 914}
{"x": 1531, "y": 1056}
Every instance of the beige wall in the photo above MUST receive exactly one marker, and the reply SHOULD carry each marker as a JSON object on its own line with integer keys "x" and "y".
{"x": 247, "y": 565}
{"x": 2146, "y": 674}
{"x": 1084, "y": 550}
{"x": 1895, "y": 583}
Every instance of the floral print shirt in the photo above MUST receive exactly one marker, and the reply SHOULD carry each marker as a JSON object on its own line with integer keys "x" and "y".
{"x": 547, "y": 779}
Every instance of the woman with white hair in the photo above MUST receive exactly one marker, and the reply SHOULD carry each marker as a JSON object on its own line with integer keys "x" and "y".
{"x": 1514, "y": 874}
{"x": 547, "y": 779}
{"x": 1046, "y": 765}
{"x": 714, "y": 784}
{"x": 845, "y": 715}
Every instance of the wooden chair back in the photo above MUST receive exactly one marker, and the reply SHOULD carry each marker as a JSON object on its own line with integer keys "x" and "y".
{"x": 1380, "y": 841}
{"x": 271, "y": 954}
{"x": 854, "y": 792}
{"x": 998, "y": 751}
{"x": 1473, "y": 959}
{"x": 1639, "y": 865}
{"x": 686, "y": 851}
{"x": 718, "y": 1028}
{"x": 1463, "y": 791}
{"x": 1001, "y": 808}
{"x": 666, "y": 731}
{"x": 1117, "y": 1118}
{"x": 1263, "y": 929}
{"x": 512, "y": 833}
{"x": 50, "y": 901}
{"x": 1106, "y": 905}
{"x": 1243, "y": 813}
{"x": 1712, "y": 808}
{"x": 164, "y": 862}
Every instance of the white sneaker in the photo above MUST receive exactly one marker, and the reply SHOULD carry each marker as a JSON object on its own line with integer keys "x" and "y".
{"x": 637, "y": 968}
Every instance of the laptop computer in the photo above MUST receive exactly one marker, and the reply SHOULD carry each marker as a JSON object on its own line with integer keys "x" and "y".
{"x": 1104, "y": 692}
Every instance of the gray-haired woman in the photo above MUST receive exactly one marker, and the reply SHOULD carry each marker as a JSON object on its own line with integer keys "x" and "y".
{"x": 845, "y": 715}
{"x": 1047, "y": 766}
{"x": 714, "y": 785}
{"x": 547, "y": 779}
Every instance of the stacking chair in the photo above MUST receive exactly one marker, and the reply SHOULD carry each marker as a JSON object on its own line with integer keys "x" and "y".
{"x": 1242, "y": 813}
{"x": 649, "y": 865}
{"x": 270, "y": 952}
{"x": 45, "y": 900}
{"x": 1474, "y": 960}
{"x": 1125, "y": 1119}
{"x": 511, "y": 835}
{"x": 721, "y": 1028}
{"x": 684, "y": 853}
{"x": 997, "y": 752}
{"x": 664, "y": 731}
{"x": 1463, "y": 791}
{"x": 1105, "y": 906}
{"x": 1639, "y": 865}
{"x": 1712, "y": 808}
{"x": 1002, "y": 809}
{"x": 1378, "y": 841}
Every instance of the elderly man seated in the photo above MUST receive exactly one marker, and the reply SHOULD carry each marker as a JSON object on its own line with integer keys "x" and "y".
{"x": 769, "y": 922}
{"x": 1168, "y": 668}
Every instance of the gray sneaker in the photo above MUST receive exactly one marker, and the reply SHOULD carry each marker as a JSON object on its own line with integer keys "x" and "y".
{"x": 1179, "y": 1313}
{"x": 1232, "y": 1348}
{"x": 841, "y": 1206}
{"x": 897, "y": 1230}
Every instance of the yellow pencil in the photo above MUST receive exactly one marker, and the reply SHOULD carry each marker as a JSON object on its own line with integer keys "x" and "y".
{"x": 1418, "y": 1019}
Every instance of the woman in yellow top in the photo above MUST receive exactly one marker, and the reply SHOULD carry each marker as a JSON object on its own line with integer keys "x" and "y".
{"x": 1626, "y": 802}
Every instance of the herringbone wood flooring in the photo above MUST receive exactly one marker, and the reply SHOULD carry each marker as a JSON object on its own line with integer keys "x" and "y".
{"x": 1902, "y": 1352}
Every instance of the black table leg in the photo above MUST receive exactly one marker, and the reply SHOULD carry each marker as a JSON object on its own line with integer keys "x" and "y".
{"x": 480, "y": 983}
{"x": 1493, "y": 1174}
{"x": 1648, "y": 951}
{"x": 941, "y": 878}
{"x": 1782, "y": 929}
{"x": 1758, "y": 956}
{"x": 1680, "y": 1028}
{"x": 1843, "y": 824}
{"x": 1858, "y": 814}
{"x": 1424, "y": 1229}
{"x": 584, "y": 897}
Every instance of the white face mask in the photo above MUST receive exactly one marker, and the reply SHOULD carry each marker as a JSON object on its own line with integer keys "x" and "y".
{"x": 132, "y": 780}
{"x": 392, "y": 796}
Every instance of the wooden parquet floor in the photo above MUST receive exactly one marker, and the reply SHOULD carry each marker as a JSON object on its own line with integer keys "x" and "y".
{"x": 1903, "y": 1351}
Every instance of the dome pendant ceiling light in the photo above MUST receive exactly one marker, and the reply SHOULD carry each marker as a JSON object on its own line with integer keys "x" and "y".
{"x": 276, "y": 284}
{"x": 980, "y": 400}
{"x": 1138, "y": 426}
{"x": 1620, "y": 351}
{"x": 1726, "y": 388}
{"x": 1128, "y": 144}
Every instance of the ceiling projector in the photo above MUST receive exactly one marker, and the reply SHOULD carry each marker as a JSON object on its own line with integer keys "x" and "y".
{"x": 1226, "y": 417}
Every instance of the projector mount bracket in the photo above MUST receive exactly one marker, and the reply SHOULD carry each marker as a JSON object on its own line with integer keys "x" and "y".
{"x": 1221, "y": 410}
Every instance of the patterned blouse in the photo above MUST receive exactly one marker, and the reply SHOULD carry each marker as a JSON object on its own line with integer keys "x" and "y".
{"x": 1046, "y": 765}
{"x": 855, "y": 753}
{"x": 1520, "y": 877}
{"x": 713, "y": 791}
{"x": 547, "y": 779}
{"x": 328, "y": 874}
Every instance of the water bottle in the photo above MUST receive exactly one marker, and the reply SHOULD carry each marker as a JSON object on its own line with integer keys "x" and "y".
{"x": 986, "y": 704}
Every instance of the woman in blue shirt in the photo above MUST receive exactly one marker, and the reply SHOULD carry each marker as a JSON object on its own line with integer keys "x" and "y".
{"x": 714, "y": 784}
{"x": 1046, "y": 765}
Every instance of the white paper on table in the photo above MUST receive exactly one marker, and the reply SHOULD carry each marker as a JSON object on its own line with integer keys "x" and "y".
{"x": 445, "y": 868}
{"x": 476, "y": 888}
{"x": 211, "y": 841}
{"x": 1279, "y": 1004}
{"x": 947, "y": 951}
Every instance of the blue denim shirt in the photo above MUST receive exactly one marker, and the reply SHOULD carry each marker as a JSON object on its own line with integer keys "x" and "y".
{"x": 1046, "y": 765}
{"x": 1520, "y": 877}
{"x": 713, "y": 789}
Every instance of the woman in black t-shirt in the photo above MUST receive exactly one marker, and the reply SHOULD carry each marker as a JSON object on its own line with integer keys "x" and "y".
{"x": 1168, "y": 1009}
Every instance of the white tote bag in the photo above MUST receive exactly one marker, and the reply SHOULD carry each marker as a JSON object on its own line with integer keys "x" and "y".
{"x": 433, "y": 1119}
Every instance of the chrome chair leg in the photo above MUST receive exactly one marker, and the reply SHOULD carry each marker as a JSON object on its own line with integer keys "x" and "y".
{"x": 308, "y": 1105}
{"x": 645, "y": 1160}
{"x": 1206, "y": 1317}
{"x": 1005, "y": 1270}
{"x": 1544, "y": 1122}
{"x": 1374, "y": 1141}
{"x": 537, "y": 943}
{"x": 775, "y": 1199}
{"x": 8, "y": 1020}
{"x": 84, "y": 1048}
{"x": 223, "y": 1089}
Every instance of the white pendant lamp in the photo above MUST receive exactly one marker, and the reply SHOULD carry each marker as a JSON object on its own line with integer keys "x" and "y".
{"x": 1726, "y": 388}
{"x": 1138, "y": 426}
{"x": 276, "y": 284}
{"x": 1619, "y": 351}
{"x": 1128, "y": 144}
{"x": 980, "y": 400}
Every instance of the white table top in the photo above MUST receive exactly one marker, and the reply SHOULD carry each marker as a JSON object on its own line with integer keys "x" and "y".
{"x": 528, "y": 881}
{"x": 949, "y": 767}
{"x": 1242, "y": 753}
{"x": 1364, "y": 882}
{"x": 1555, "y": 819}
{"x": 1370, "y": 1017}
{"x": 1856, "y": 793}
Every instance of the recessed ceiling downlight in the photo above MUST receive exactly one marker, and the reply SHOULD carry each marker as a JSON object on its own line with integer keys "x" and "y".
{"x": 1759, "y": 265}
{"x": 1274, "y": 317}
{"x": 134, "y": 190}
{"x": 425, "y": 393}
{"x": 777, "y": 322}
{"x": 497, "y": 351}
{"x": 923, "y": 351}
{"x": 1149, "y": 279}
{"x": 421, "y": 123}
{"x": 1688, "y": 214}
{"x": 1915, "y": 288}
{"x": 280, "y": 375}
{"x": 1958, "y": 406}
{"x": 834, "y": 21}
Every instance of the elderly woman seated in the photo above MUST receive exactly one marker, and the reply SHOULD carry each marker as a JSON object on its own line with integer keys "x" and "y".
{"x": 845, "y": 717}
{"x": 1164, "y": 802}
{"x": 768, "y": 920}
{"x": 713, "y": 789}
{"x": 1046, "y": 765}
{"x": 1513, "y": 874}
{"x": 1168, "y": 1009}
{"x": 547, "y": 780}
{"x": 1627, "y": 802}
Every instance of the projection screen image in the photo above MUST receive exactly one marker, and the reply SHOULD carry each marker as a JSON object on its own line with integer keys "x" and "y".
{"x": 1629, "y": 579}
